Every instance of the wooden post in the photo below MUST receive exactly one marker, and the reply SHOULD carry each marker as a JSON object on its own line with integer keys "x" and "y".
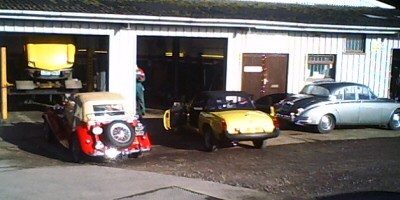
{"x": 4, "y": 84}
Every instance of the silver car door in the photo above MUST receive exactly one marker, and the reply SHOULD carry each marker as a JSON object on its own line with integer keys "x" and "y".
{"x": 348, "y": 108}
{"x": 370, "y": 108}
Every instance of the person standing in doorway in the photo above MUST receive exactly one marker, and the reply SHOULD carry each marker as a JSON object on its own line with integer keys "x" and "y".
{"x": 140, "y": 78}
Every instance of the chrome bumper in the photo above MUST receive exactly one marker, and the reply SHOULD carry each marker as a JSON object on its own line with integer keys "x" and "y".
{"x": 302, "y": 121}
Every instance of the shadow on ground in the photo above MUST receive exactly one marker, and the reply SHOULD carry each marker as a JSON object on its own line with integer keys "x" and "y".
{"x": 369, "y": 195}
{"x": 28, "y": 136}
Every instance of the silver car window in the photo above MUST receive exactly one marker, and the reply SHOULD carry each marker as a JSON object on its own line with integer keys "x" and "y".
{"x": 363, "y": 93}
{"x": 349, "y": 93}
{"x": 339, "y": 94}
{"x": 315, "y": 90}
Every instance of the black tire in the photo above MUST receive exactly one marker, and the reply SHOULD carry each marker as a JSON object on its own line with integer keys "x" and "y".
{"x": 210, "y": 142}
{"x": 120, "y": 134}
{"x": 48, "y": 134}
{"x": 394, "y": 123}
{"x": 285, "y": 125}
{"x": 76, "y": 150}
{"x": 260, "y": 144}
{"x": 178, "y": 130}
{"x": 326, "y": 124}
{"x": 136, "y": 155}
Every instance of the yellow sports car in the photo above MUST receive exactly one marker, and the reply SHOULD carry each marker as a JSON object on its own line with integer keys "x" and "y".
{"x": 223, "y": 117}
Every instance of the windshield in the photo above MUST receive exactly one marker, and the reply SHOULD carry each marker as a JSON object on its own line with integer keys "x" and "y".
{"x": 315, "y": 90}
{"x": 108, "y": 109}
{"x": 229, "y": 103}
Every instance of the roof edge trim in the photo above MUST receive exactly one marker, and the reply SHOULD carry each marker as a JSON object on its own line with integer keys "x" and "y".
{"x": 186, "y": 21}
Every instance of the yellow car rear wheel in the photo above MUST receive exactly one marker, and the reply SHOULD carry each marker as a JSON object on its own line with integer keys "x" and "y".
{"x": 210, "y": 142}
{"x": 260, "y": 144}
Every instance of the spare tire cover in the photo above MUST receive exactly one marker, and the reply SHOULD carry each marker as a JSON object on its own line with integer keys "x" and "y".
{"x": 119, "y": 134}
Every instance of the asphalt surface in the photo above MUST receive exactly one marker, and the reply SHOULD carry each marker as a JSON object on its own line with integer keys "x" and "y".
{"x": 58, "y": 180}
{"x": 86, "y": 182}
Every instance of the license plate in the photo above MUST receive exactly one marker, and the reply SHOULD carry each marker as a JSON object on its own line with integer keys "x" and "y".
{"x": 49, "y": 73}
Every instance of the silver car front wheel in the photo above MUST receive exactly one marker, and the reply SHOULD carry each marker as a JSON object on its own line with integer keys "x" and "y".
{"x": 394, "y": 123}
{"x": 326, "y": 124}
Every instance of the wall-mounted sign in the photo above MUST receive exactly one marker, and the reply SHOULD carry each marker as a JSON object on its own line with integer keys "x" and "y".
{"x": 253, "y": 69}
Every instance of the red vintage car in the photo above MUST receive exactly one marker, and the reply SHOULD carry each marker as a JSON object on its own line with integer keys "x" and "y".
{"x": 96, "y": 124}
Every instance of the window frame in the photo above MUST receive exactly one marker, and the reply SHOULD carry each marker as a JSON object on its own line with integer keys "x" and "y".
{"x": 357, "y": 42}
{"x": 326, "y": 61}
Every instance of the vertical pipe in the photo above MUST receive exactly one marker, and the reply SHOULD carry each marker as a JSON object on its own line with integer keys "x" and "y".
{"x": 4, "y": 111}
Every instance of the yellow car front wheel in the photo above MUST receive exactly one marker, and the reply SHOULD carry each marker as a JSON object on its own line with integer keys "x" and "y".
{"x": 210, "y": 142}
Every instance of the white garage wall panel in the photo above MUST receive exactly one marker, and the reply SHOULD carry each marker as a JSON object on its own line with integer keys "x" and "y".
{"x": 371, "y": 68}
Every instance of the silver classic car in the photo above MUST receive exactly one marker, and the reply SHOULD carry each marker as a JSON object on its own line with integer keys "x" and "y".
{"x": 325, "y": 105}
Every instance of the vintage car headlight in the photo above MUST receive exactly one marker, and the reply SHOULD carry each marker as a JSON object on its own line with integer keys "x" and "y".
{"x": 299, "y": 111}
{"x": 97, "y": 130}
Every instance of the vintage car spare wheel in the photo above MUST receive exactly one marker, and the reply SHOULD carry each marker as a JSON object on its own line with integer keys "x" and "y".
{"x": 119, "y": 134}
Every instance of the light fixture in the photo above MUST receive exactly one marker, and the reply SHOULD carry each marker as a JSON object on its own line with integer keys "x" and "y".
{"x": 170, "y": 54}
{"x": 212, "y": 56}
{"x": 101, "y": 51}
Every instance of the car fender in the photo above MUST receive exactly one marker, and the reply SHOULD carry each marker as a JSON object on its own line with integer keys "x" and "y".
{"x": 53, "y": 120}
{"x": 212, "y": 121}
{"x": 86, "y": 139}
{"x": 204, "y": 120}
{"x": 316, "y": 112}
{"x": 387, "y": 117}
{"x": 58, "y": 127}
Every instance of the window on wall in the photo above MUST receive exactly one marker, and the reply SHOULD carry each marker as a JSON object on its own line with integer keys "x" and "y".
{"x": 355, "y": 44}
{"x": 321, "y": 67}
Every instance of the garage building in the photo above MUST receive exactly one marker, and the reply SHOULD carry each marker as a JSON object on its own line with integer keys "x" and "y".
{"x": 261, "y": 47}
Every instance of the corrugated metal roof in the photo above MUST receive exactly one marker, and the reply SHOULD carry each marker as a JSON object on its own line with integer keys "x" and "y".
{"x": 215, "y": 9}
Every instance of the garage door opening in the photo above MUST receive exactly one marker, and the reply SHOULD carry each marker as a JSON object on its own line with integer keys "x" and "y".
{"x": 395, "y": 75}
{"x": 82, "y": 57}
{"x": 178, "y": 67}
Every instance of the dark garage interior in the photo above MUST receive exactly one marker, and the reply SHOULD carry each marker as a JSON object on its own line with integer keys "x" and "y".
{"x": 176, "y": 67}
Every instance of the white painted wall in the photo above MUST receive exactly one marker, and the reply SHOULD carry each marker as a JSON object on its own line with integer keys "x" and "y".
{"x": 122, "y": 64}
{"x": 371, "y": 68}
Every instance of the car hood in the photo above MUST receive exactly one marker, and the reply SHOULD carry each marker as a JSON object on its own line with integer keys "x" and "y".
{"x": 291, "y": 104}
{"x": 247, "y": 121}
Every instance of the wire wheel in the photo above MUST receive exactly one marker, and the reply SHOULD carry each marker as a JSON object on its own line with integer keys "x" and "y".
{"x": 120, "y": 134}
